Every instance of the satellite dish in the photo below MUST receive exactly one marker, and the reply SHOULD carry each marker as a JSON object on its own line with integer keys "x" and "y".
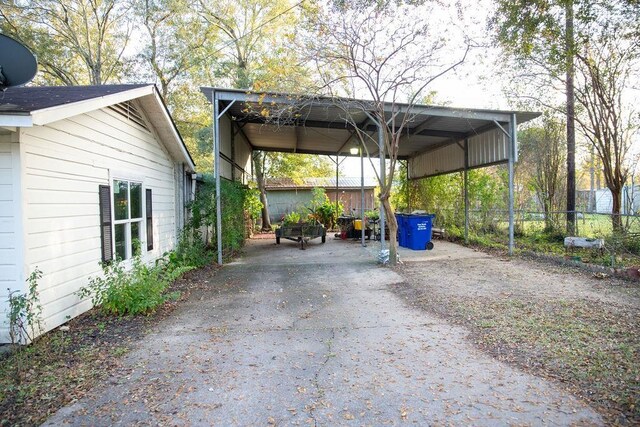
{"x": 17, "y": 64}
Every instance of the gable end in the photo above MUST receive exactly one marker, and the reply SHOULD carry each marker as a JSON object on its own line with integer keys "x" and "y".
{"x": 130, "y": 112}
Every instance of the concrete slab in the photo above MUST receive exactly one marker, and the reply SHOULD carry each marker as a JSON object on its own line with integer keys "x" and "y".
{"x": 315, "y": 337}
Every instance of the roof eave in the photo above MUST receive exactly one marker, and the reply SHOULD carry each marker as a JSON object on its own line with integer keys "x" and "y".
{"x": 173, "y": 130}
{"x": 16, "y": 120}
{"x": 60, "y": 112}
{"x": 246, "y": 95}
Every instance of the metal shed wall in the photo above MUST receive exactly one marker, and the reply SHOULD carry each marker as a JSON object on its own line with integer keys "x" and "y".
{"x": 441, "y": 160}
{"x": 225, "y": 147}
{"x": 241, "y": 156}
{"x": 485, "y": 148}
{"x": 488, "y": 148}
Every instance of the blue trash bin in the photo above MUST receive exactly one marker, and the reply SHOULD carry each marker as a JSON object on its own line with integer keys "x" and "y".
{"x": 419, "y": 228}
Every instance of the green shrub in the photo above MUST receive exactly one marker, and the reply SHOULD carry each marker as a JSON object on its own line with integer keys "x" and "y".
{"x": 235, "y": 198}
{"x": 191, "y": 251}
{"x": 372, "y": 215}
{"x": 25, "y": 311}
{"x": 292, "y": 218}
{"x": 137, "y": 291}
{"x": 253, "y": 205}
{"x": 323, "y": 210}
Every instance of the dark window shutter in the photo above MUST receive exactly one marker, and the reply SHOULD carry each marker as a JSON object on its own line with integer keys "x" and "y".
{"x": 105, "y": 223}
{"x": 149, "y": 220}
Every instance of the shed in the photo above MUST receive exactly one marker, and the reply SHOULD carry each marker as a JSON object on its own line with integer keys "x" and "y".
{"x": 285, "y": 195}
{"x": 84, "y": 172}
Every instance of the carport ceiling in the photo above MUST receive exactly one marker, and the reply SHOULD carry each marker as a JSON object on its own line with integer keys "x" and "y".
{"x": 317, "y": 125}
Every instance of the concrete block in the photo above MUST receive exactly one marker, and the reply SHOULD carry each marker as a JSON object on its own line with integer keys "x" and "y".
{"x": 583, "y": 242}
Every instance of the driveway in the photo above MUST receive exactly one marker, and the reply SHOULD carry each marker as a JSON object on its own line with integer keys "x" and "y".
{"x": 315, "y": 337}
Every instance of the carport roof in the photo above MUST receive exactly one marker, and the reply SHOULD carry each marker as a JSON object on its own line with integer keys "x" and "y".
{"x": 318, "y": 125}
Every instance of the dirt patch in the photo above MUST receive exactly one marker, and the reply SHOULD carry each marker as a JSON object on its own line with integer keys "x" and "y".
{"x": 264, "y": 236}
{"x": 558, "y": 322}
{"x": 64, "y": 364}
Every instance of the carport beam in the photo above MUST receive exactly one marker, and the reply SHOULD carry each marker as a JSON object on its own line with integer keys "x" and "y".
{"x": 337, "y": 182}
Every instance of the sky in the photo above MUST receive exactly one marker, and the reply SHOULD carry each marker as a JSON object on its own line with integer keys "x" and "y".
{"x": 474, "y": 83}
{"x": 477, "y": 82}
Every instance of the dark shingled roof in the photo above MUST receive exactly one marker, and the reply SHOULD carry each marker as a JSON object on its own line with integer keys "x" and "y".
{"x": 23, "y": 100}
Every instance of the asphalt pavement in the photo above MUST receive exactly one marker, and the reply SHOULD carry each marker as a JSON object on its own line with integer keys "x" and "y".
{"x": 284, "y": 336}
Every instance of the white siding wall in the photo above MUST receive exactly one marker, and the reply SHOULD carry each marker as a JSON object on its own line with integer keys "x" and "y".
{"x": 630, "y": 200}
{"x": 10, "y": 228}
{"x": 63, "y": 165}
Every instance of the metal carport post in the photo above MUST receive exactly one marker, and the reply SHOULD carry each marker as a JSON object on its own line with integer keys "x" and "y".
{"x": 216, "y": 171}
{"x": 216, "y": 166}
{"x": 513, "y": 157}
{"x": 512, "y": 150}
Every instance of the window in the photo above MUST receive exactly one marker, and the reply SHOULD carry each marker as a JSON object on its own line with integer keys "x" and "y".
{"x": 127, "y": 217}
{"x": 124, "y": 227}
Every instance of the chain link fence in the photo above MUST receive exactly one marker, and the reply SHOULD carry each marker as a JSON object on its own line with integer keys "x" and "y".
{"x": 545, "y": 233}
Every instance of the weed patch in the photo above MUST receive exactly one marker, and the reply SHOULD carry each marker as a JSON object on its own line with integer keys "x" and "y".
{"x": 61, "y": 366}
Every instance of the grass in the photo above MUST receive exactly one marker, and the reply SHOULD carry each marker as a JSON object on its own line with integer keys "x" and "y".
{"x": 620, "y": 251}
{"x": 61, "y": 367}
{"x": 589, "y": 346}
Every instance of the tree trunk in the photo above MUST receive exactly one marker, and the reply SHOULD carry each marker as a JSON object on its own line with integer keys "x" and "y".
{"x": 393, "y": 230}
{"x": 616, "y": 202}
{"x": 258, "y": 164}
{"x": 548, "y": 221}
{"x": 571, "y": 127}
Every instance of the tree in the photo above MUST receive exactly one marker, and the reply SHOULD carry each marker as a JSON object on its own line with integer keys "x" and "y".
{"x": 542, "y": 32}
{"x": 298, "y": 166}
{"x": 256, "y": 42}
{"x": 176, "y": 40}
{"x": 606, "y": 70}
{"x": 76, "y": 41}
{"x": 546, "y": 37}
{"x": 256, "y": 55}
{"x": 543, "y": 148}
{"x": 385, "y": 54}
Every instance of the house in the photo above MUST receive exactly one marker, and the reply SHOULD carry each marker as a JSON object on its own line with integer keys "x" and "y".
{"x": 286, "y": 195}
{"x": 84, "y": 172}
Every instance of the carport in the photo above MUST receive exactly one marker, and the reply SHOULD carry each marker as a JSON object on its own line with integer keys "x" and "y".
{"x": 438, "y": 140}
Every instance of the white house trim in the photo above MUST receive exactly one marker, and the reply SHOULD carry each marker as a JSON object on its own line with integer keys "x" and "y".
{"x": 15, "y": 120}
{"x": 18, "y": 213}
